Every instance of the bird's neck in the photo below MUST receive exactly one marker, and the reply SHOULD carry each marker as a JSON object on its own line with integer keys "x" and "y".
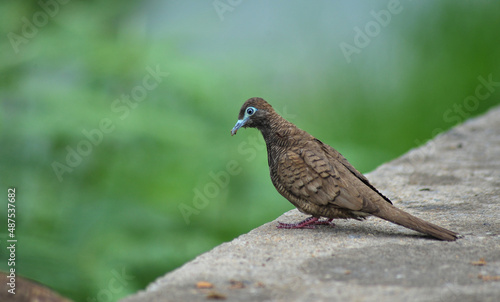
{"x": 279, "y": 135}
{"x": 278, "y": 131}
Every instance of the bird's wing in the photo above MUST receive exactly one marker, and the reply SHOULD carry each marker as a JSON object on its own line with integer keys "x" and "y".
{"x": 334, "y": 155}
{"x": 310, "y": 175}
{"x": 339, "y": 157}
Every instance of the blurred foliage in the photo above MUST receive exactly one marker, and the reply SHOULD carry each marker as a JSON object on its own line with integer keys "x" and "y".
{"x": 118, "y": 209}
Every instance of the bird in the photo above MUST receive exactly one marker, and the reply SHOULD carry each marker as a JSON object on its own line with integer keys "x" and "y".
{"x": 318, "y": 180}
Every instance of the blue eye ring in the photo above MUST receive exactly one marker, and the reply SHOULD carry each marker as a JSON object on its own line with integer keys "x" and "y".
{"x": 250, "y": 111}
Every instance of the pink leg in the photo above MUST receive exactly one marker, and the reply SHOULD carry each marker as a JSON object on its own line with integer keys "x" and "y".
{"x": 308, "y": 223}
{"x": 327, "y": 222}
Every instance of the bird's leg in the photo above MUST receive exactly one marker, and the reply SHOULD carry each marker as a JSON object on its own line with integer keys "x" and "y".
{"x": 308, "y": 223}
{"x": 304, "y": 224}
{"x": 327, "y": 222}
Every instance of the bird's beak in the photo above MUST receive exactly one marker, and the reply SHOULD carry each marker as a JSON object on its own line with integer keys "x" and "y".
{"x": 239, "y": 124}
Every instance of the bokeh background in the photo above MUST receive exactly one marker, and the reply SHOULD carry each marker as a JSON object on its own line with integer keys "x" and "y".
{"x": 166, "y": 181}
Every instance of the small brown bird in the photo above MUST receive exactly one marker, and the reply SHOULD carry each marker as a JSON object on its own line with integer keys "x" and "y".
{"x": 317, "y": 179}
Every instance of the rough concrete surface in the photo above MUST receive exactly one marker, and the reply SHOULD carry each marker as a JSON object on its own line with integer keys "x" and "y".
{"x": 453, "y": 181}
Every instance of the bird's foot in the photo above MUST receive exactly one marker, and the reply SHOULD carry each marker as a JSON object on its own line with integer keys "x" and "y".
{"x": 309, "y": 223}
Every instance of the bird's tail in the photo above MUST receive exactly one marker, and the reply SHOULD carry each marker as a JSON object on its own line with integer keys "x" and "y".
{"x": 391, "y": 213}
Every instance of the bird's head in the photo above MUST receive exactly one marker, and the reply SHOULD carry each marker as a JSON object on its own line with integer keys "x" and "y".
{"x": 254, "y": 113}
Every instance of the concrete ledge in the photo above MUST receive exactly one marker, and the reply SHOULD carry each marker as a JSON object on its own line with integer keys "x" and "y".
{"x": 453, "y": 181}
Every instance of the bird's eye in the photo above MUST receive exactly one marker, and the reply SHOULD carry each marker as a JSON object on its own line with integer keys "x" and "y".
{"x": 251, "y": 110}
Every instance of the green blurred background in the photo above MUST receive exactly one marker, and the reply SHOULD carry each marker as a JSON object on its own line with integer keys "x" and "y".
{"x": 119, "y": 208}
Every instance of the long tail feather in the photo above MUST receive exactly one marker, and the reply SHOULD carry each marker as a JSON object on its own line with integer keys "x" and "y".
{"x": 397, "y": 216}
